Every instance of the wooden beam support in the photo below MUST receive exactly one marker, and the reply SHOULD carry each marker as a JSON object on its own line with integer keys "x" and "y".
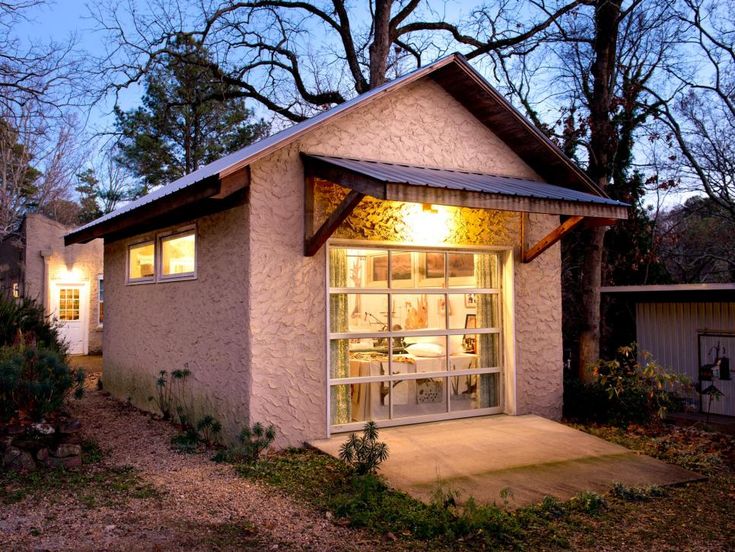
{"x": 550, "y": 239}
{"x": 232, "y": 183}
{"x": 314, "y": 243}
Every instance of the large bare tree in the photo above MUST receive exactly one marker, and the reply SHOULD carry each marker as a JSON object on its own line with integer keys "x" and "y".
{"x": 294, "y": 57}
{"x": 589, "y": 90}
{"x": 700, "y": 108}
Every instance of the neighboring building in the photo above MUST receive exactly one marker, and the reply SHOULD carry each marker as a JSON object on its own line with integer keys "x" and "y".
{"x": 689, "y": 329}
{"x": 390, "y": 259}
{"x": 66, "y": 280}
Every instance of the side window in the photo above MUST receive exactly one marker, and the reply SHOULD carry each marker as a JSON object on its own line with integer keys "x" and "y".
{"x": 178, "y": 256}
{"x": 141, "y": 262}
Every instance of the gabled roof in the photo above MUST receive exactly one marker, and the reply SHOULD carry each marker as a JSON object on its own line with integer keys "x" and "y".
{"x": 453, "y": 73}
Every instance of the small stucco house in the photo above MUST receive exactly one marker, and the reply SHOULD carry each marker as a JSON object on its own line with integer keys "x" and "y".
{"x": 390, "y": 259}
{"x": 67, "y": 281}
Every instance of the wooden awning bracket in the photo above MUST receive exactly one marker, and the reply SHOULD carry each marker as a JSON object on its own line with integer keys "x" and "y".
{"x": 314, "y": 242}
{"x": 530, "y": 253}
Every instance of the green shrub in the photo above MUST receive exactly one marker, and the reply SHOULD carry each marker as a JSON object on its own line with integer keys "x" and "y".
{"x": 23, "y": 321}
{"x": 35, "y": 381}
{"x": 624, "y": 391}
{"x": 364, "y": 454}
{"x": 206, "y": 431}
{"x": 252, "y": 441}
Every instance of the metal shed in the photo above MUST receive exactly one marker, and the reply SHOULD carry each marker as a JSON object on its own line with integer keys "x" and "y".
{"x": 690, "y": 329}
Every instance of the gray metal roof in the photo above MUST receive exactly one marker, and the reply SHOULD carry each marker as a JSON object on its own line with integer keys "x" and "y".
{"x": 254, "y": 151}
{"x": 467, "y": 181}
{"x": 674, "y": 293}
{"x": 246, "y": 156}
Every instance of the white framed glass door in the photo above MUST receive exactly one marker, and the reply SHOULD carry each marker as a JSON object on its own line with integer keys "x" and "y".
{"x": 70, "y": 308}
{"x": 414, "y": 335}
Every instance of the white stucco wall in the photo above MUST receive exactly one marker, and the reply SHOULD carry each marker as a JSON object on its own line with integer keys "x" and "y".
{"x": 252, "y": 326}
{"x": 198, "y": 323}
{"x": 421, "y": 125}
{"x": 76, "y": 263}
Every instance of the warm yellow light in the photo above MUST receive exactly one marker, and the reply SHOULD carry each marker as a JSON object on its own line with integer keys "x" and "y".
{"x": 67, "y": 274}
{"x": 428, "y": 224}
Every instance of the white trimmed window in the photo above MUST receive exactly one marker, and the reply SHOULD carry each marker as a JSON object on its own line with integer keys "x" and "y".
{"x": 141, "y": 262}
{"x": 178, "y": 256}
{"x": 171, "y": 256}
{"x": 100, "y": 300}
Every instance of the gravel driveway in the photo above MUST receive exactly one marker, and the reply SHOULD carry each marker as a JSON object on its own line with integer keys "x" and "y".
{"x": 200, "y": 505}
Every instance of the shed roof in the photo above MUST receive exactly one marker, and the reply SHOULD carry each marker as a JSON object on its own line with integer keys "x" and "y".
{"x": 681, "y": 293}
{"x": 452, "y": 72}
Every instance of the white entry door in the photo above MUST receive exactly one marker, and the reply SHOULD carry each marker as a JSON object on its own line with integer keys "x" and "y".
{"x": 70, "y": 307}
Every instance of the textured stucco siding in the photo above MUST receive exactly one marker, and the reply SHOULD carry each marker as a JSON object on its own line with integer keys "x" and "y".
{"x": 198, "y": 323}
{"x": 76, "y": 263}
{"x": 421, "y": 125}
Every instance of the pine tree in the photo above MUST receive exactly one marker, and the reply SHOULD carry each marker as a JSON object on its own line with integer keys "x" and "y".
{"x": 188, "y": 118}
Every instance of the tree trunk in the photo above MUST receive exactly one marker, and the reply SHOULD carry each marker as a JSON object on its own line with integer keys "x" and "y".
{"x": 380, "y": 47}
{"x": 602, "y": 151}
{"x": 589, "y": 336}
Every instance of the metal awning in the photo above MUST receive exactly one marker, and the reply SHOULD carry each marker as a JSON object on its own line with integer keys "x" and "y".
{"x": 512, "y": 193}
{"x": 409, "y": 183}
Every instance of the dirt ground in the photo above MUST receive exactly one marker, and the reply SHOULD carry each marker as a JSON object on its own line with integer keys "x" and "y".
{"x": 193, "y": 503}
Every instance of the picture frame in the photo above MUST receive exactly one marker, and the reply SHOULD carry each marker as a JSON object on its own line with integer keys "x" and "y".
{"x": 401, "y": 267}
{"x": 431, "y": 269}
{"x": 461, "y": 269}
{"x": 470, "y": 300}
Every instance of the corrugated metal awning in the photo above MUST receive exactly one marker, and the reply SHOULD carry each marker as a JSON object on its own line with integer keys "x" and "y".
{"x": 467, "y": 189}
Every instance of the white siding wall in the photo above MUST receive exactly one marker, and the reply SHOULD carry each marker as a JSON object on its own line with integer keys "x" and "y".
{"x": 669, "y": 332}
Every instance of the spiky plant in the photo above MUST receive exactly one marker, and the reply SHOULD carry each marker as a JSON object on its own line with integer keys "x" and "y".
{"x": 364, "y": 454}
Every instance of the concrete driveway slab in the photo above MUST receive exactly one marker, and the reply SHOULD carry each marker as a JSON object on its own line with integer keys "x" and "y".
{"x": 531, "y": 456}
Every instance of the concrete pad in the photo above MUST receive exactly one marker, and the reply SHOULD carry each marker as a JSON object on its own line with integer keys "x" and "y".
{"x": 532, "y": 456}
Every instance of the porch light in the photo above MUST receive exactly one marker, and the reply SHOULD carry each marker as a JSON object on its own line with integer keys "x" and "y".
{"x": 428, "y": 224}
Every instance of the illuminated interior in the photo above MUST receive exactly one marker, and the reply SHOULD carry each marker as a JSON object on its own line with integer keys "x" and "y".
{"x": 141, "y": 262}
{"x": 68, "y": 304}
{"x": 413, "y": 334}
{"x": 178, "y": 255}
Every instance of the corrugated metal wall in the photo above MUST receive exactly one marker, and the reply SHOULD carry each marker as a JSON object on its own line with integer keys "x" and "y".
{"x": 669, "y": 331}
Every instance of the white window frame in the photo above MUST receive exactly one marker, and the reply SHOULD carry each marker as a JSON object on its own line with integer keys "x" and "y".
{"x": 506, "y": 329}
{"x": 178, "y": 233}
{"x": 145, "y": 279}
{"x": 100, "y": 283}
{"x": 157, "y": 242}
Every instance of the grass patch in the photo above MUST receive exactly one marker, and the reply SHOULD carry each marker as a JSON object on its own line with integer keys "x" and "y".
{"x": 446, "y": 523}
{"x": 625, "y": 518}
{"x": 92, "y": 487}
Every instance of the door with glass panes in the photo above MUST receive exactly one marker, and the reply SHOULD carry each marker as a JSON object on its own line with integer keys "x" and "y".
{"x": 414, "y": 335}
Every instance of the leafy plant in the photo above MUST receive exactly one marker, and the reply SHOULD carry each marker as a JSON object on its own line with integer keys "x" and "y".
{"x": 23, "y": 321}
{"x": 635, "y": 494}
{"x": 209, "y": 430}
{"x": 252, "y": 441}
{"x": 35, "y": 381}
{"x": 625, "y": 390}
{"x": 364, "y": 454}
{"x": 168, "y": 391}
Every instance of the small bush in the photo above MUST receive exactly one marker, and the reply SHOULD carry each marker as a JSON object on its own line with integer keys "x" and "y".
{"x": 23, "y": 321}
{"x": 168, "y": 392}
{"x": 364, "y": 454}
{"x": 624, "y": 391}
{"x": 205, "y": 432}
{"x": 35, "y": 381}
{"x": 252, "y": 441}
{"x": 636, "y": 494}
